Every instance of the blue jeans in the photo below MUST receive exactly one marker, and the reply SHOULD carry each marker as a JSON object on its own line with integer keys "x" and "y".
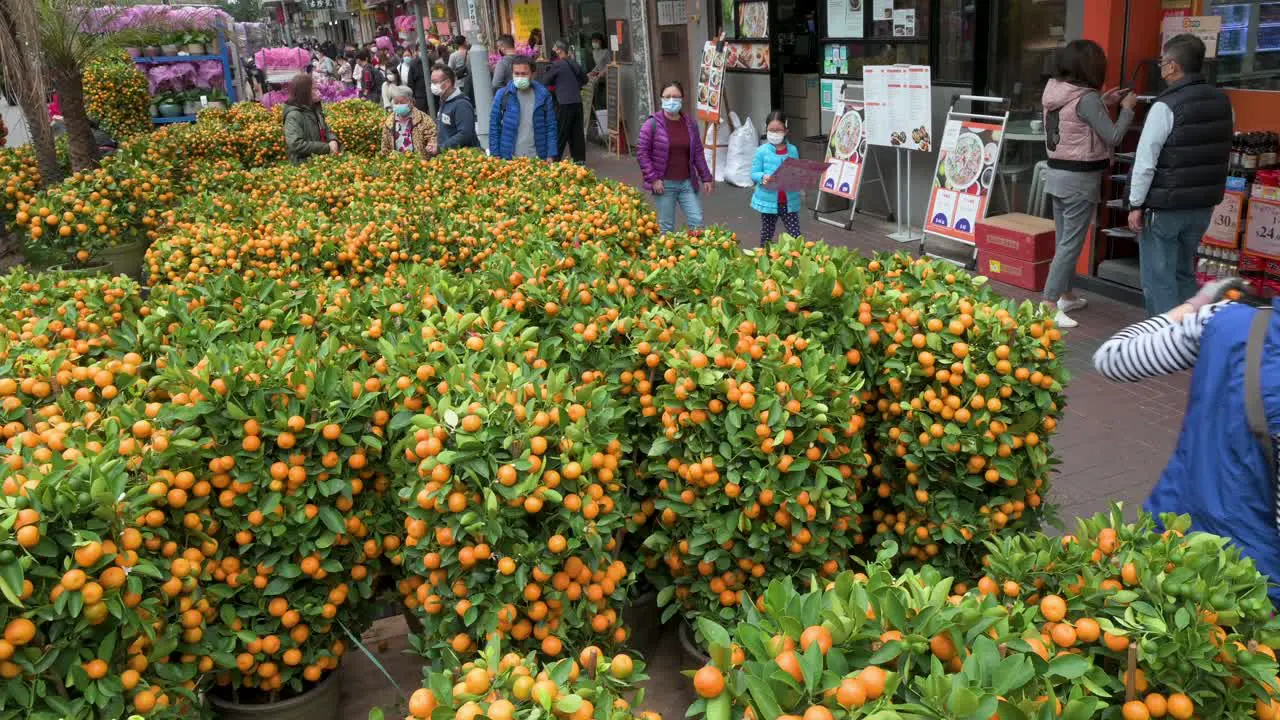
{"x": 1167, "y": 253}
{"x": 678, "y": 192}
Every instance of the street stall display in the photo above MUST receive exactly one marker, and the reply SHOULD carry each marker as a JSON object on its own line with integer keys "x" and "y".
{"x": 1239, "y": 241}
{"x": 184, "y": 52}
{"x": 966, "y": 169}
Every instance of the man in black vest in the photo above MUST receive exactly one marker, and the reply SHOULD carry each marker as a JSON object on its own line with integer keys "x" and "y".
{"x": 1179, "y": 174}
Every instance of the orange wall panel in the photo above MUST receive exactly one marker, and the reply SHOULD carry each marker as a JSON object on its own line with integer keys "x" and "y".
{"x": 1256, "y": 109}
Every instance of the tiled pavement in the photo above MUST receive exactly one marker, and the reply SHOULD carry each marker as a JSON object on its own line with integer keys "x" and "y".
{"x": 1113, "y": 443}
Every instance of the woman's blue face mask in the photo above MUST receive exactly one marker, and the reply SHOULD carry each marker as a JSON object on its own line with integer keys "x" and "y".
{"x": 402, "y": 110}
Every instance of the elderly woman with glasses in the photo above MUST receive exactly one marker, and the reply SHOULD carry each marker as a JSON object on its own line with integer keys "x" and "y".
{"x": 407, "y": 129}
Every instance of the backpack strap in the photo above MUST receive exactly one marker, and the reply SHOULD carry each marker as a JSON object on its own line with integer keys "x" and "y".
{"x": 1254, "y": 412}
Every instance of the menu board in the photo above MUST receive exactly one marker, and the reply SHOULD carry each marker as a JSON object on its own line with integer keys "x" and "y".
{"x": 846, "y": 151}
{"x": 1224, "y": 226}
{"x": 899, "y": 105}
{"x": 612, "y": 96}
{"x": 710, "y": 81}
{"x": 1262, "y": 231}
{"x": 844, "y": 18}
{"x": 962, "y": 180}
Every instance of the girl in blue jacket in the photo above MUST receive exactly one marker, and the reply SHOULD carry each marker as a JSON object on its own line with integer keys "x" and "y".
{"x": 770, "y": 203}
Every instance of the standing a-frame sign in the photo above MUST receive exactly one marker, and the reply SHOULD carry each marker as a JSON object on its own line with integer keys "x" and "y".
{"x": 613, "y": 106}
{"x": 709, "y": 95}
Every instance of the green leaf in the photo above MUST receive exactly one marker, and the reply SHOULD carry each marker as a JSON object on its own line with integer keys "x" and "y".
{"x": 811, "y": 666}
{"x": 963, "y": 701}
{"x": 277, "y": 586}
{"x": 763, "y": 696}
{"x": 332, "y": 519}
{"x": 715, "y": 635}
{"x": 718, "y": 707}
{"x": 1068, "y": 667}
{"x": 569, "y": 704}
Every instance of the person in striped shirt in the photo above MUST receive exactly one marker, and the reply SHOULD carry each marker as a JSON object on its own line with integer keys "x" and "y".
{"x": 1218, "y": 473}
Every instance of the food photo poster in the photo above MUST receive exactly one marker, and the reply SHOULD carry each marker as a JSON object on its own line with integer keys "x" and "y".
{"x": 962, "y": 181}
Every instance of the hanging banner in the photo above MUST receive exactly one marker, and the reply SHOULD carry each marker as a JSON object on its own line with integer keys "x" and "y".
{"x": 846, "y": 152}
{"x": 899, "y": 105}
{"x": 710, "y": 81}
{"x": 962, "y": 180}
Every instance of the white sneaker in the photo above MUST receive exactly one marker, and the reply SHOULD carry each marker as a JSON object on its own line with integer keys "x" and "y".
{"x": 1067, "y": 306}
{"x": 1061, "y": 320}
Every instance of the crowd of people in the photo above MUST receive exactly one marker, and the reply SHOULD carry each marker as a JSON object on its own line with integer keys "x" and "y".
{"x": 534, "y": 114}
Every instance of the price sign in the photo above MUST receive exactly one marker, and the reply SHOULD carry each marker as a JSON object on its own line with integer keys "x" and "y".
{"x": 1262, "y": 232}
{"x": 1224, "y": 225}
{"x": 318, "y": 4}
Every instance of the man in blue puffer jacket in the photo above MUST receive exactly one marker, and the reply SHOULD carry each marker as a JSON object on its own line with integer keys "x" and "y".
{"x": 1218, "y": 473}
{"x": 522, "y": 122}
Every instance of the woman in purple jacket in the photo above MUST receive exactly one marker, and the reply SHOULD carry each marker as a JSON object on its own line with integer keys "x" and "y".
{"x": 672, "y": 162}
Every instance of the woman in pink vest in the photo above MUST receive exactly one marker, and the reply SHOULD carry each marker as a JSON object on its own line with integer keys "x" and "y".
{"x": 1080, "y": 136}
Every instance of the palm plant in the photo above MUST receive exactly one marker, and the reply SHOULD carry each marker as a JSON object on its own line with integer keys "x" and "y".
{"x": 23, "y": 69}
{"x": 67, "y": 46}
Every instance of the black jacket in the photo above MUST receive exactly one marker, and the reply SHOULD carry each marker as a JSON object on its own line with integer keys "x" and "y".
{"x": 1191, "y": 171}
{"x": 567, "y": 77}
{"x": 456, "y": 123}
{"x": 417, "y": 79}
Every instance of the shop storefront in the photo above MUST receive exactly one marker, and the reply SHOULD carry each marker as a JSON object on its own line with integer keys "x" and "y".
{"x": 788, "y": 54}
{"x": 1243, "y": 237}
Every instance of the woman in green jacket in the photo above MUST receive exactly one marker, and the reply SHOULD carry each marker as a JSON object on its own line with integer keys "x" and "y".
{"x": 305, "y": 131}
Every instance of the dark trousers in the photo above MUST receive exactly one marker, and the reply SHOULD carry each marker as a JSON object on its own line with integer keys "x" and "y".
{"x": 571, "y": 131}
{"x": 420, "y": 102}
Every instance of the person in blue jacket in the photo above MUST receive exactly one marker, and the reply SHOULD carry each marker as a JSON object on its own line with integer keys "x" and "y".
{"x": 1219, "y": 473}
{"x": 522, "y": 122}
{"x": 769, "y": 202}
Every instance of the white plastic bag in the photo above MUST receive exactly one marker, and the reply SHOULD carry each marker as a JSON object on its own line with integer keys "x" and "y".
{"x": 742, "y": 150}
{"x": 717, "y": 152}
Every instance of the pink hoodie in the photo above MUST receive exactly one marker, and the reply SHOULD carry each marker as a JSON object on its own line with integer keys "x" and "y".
{"x": 1071, "y": 142}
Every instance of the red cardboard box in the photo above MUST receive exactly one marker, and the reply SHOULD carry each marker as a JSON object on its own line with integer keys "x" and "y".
{"x": 1017, "y": 236}
{"x": 1018, "y": 272}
